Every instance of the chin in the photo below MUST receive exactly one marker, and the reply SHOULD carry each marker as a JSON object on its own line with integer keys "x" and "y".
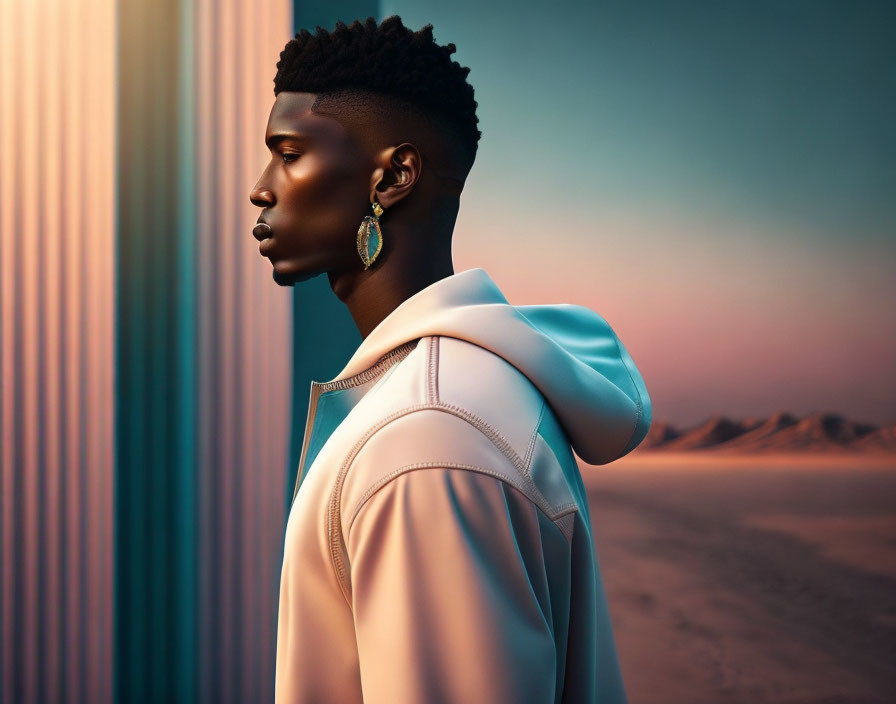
{"x": 290, "y": 278}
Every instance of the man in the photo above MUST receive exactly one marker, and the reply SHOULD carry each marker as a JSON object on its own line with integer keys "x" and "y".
{"x": 438, "y": 547}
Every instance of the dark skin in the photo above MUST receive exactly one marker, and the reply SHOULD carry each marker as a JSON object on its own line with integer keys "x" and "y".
{"x": 315, "y": 191}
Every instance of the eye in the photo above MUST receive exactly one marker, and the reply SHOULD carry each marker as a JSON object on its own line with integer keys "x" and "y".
{"x": 289, "y": 157}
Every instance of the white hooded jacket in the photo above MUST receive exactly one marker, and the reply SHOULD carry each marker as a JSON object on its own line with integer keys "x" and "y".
{"x": 439, "y": 546}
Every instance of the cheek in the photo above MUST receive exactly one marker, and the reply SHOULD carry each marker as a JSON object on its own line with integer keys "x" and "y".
{"x": 324, "y": 200}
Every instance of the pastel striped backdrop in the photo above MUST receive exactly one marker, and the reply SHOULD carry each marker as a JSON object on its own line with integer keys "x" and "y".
{"x": 151, "y": 387}
{"x": 57, "y": 118}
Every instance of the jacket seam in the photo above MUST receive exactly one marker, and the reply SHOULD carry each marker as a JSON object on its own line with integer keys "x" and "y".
{"x": 404, "y": 469}
{"x": 332, "y": 516}
{"x": 530, "y": 449}
{"x": 433, "y": 369}
{"x": 638, "y": 401}
{"x": 371, "y": 372}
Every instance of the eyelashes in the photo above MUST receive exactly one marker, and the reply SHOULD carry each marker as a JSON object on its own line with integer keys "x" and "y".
{"x": 287, "y": 160}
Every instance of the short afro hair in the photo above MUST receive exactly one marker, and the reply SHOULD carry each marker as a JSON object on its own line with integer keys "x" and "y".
{"x": 405, "y": 70}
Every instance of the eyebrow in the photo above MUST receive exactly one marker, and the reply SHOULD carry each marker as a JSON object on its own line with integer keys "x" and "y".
{"x": 275, "y": 139}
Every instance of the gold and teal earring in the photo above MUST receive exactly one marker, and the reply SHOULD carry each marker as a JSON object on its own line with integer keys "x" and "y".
{"x": 370, "y": 236}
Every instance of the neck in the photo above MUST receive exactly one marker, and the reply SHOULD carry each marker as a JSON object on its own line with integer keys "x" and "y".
{"x": 407, "y": 268}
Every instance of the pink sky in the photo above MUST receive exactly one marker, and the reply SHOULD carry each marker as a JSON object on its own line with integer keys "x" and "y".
{"x": 721, "y": 317}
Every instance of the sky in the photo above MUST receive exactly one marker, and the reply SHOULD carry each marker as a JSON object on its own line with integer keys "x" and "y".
{"x": 715, "y": 179}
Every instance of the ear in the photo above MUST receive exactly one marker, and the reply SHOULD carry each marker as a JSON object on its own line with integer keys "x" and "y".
{"x": 398, "y": 172}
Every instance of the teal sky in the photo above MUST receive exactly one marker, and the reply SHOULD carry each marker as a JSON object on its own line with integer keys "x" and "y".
{"x": 716, "y": 179}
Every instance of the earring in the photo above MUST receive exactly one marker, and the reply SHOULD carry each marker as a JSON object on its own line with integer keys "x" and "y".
{"x": 370, "y": 236}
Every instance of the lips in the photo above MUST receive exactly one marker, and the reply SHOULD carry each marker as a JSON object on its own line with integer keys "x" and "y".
{"x": 262, "y": 231}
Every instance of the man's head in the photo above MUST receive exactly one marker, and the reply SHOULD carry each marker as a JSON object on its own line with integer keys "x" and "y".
{"x": 363, "y": 112}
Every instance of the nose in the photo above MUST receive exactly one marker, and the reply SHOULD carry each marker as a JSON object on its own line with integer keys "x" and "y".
{"x": 262, "y": 197}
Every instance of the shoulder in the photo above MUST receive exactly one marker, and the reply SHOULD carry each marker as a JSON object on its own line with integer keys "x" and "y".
{"x": 461, "y": 410}
{"x": 488, "y": 388}
{"x": 474, "y": 412}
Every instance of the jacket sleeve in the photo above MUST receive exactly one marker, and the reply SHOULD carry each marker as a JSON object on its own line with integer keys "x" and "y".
{"x": 449, "y": 592}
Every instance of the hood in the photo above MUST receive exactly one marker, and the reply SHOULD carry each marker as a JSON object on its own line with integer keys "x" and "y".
{"x": 567, "y": 351}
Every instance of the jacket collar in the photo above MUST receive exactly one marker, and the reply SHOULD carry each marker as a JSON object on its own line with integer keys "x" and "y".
{"x": 406, "y": 322}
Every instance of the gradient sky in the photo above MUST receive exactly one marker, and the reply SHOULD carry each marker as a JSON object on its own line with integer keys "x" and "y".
{"x": 715, "y": 179}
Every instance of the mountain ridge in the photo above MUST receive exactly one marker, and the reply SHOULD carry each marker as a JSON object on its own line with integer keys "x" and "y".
{"x": 820, "y": 431}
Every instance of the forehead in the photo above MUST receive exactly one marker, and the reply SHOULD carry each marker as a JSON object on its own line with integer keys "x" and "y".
{"x": 291, "y": 114}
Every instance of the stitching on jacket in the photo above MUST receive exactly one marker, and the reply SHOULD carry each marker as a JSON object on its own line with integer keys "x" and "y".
{"x": 638, "y": 403}
{"x": 434, "y": 369}
{"x": 497, "y": 439}
{"x": 386, "y": 361}
{"x": 500, "y": 441}
{"x": 383, "y": 364}
{"x": 332, "y": 515}
{"x": 545, "y": 508}
{"x": 566, "y": 527}
{"x": 529, "y": 450}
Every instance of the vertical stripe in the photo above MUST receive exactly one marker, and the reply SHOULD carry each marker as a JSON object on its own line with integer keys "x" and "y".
{"x": 155, "y": 657}
{"x": 245, "y": 343}
{"x": 56, "y": 286}
{"x": 186, "y": 334}
{"x": 42, "y": 375}
{"x": 207, "y": 370}
{"x": 203, "y": 354}
{"x": 49, "y": 344}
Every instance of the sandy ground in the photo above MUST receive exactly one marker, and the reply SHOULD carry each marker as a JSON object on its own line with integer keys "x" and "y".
{"x": 746, "y": 579}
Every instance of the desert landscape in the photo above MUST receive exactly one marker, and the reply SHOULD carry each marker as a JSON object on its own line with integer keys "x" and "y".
{"x": 757, "y": 574}
{"x": 817, "y": 433}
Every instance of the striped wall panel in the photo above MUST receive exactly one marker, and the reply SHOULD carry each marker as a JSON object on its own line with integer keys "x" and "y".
{"x": 204, "y": 355}
{"x": 57, "y": 101}
{"x": 146, "y": 354}
{"x": 245, "y": 347}
{"x": 156, "y": 544}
